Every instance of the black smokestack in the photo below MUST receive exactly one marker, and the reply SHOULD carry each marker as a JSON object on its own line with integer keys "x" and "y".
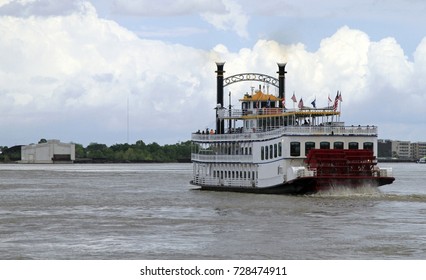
{"x": 281, "y": 81}
{"x": 219, "y": 97}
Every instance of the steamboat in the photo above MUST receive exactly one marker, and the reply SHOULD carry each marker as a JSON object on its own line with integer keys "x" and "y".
{"x": 264, "y": 147}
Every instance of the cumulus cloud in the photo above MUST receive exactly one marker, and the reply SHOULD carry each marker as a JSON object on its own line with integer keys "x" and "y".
{"x": 234, "y": 18}
{"x": 26, "y": 8}
{"x": 223, "y": 15}
{"x": 166, "y": 7}
{"x": 77, "y": 77}
{"x": 78, "y": 70}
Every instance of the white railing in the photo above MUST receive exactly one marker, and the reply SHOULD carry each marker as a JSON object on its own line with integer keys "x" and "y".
{"x": 205, "y": 181}
{"x": 209, "y": 181}
{"x": 289, "y": 130}
{"x": 224, "y": 113}
{"x": 222, "y": 158}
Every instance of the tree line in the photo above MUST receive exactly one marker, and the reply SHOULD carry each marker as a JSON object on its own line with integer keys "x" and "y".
{"x": 138, "y": 152}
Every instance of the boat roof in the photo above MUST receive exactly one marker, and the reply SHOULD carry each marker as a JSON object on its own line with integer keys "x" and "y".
{"x": 259, "y": 96}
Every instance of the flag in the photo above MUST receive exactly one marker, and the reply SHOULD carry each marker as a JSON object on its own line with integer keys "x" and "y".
{"x": 329, "y": 100}
{"x": 314, "y": 103}
{"x": 300, "y": 103}
{"x": 283, "y": 102}
{"x": 294, "y": 98}
{"x": 336, "y": 101}
{"x": 340, "y": 97}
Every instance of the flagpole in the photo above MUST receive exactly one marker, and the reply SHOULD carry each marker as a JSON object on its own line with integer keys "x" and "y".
{"x": 293, "y": 105}
{"x": 340, "y": 105}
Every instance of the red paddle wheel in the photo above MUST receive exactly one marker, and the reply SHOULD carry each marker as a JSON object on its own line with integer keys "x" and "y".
{"x": 350, "y": 168}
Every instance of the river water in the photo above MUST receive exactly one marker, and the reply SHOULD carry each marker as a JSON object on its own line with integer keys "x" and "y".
{"x": 149, "y": 211}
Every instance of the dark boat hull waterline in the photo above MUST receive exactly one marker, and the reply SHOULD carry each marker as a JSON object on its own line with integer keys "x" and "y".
{"x": 305, "y": 186}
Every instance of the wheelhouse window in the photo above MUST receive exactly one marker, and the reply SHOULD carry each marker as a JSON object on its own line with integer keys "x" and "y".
{"x": 338, "y": 145}
{"x": 368, "y": 146}
{"x": 325, "y": 145}
{"x": 353, "y": 145}
{"x": 294, "y": 149}
{"x": 308, "y": 147}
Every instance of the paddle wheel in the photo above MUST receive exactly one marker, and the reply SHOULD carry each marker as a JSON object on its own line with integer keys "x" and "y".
{"x": 350, "y": 168}
{"x": 341, "y": 162}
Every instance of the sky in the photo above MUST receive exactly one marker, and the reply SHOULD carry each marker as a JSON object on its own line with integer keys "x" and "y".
{"x": 117, "y": 71}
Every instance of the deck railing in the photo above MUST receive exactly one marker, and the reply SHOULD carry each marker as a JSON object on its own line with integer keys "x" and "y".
{"x": 210, "y": 181}
{"x": 222, "y": 158}
{"x": 289, "y": 130}
{"x": 239, "y": 113}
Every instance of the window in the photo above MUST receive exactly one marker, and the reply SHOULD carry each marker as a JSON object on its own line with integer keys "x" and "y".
{"x": 266, "y": 152}
{"x": 280, "y": 149}
{"x": 353, "y": 145}
{"x": 368, "y": 145}
{"x": 309, "y": 146}
{"x": 271, "y": 151}
{"x": 262, "y": 153}
{"x": 338, "y": 145}
{"x": 325, "y": 145}
{"x": 275, "y": 150}
{"x": 294, "y": 149}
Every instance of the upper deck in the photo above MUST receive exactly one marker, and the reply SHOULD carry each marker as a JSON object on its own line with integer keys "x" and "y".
{"x": 287, "y": 131}
{"x": 245, "y": 114}
{"x": 271, "y": 122}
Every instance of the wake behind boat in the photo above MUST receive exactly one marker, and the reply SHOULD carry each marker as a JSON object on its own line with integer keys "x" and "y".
{"x": 263, "y": 147}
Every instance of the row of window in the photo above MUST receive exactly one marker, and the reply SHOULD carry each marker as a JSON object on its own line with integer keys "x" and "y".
{"x": 271, "y": 151}
{"x": 223, "y": 149}
{"x": 227, "y": 174}
{"x": 295, "y": 146}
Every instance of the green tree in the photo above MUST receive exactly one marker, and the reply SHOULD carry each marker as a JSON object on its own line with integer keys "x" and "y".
{"x": 80, "y": 152}
{"x": 95, "y": 150}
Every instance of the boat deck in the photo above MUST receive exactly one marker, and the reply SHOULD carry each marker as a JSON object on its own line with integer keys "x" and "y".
{"x": 288, "y": 130}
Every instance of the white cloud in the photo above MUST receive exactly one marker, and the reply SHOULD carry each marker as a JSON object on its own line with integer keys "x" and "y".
{"x": 70, "y": 77}
{"x": 81, "y": 69}
{"x": 161, "y": 32}
{"x": 166, "y": 7}
{"x": 225, "y": 15}
{"x": 233, "y": 19}
{"x": 26, "y": 8}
